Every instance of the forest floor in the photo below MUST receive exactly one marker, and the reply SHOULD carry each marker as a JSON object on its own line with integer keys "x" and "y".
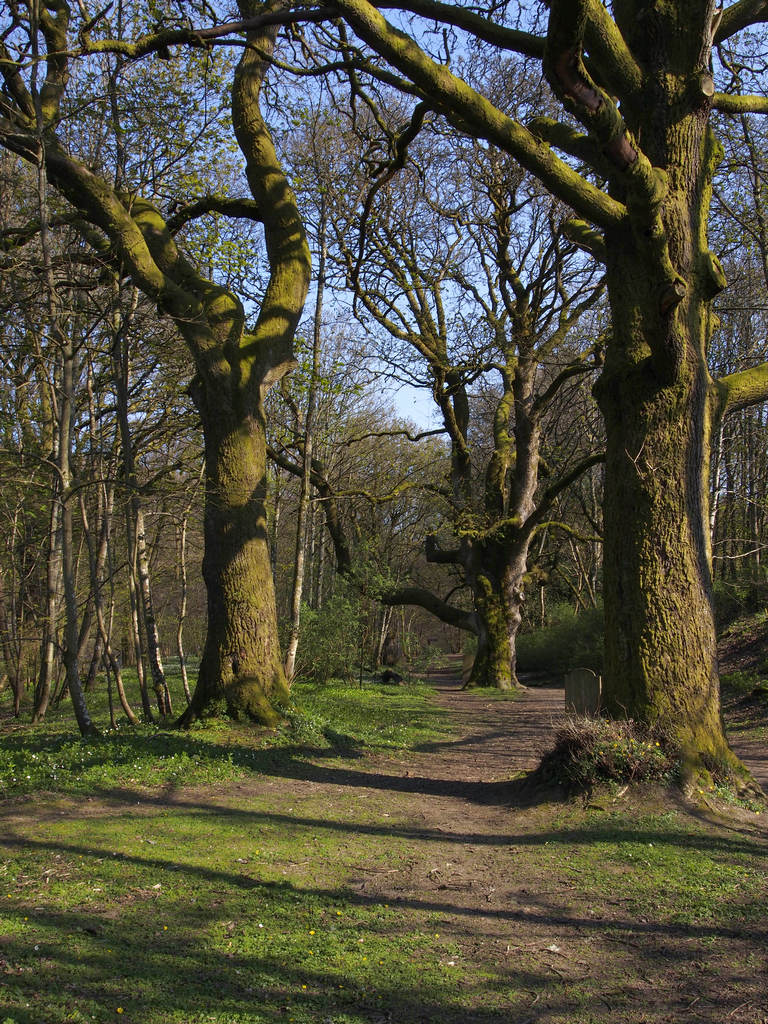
{"x": 420, "y": 886}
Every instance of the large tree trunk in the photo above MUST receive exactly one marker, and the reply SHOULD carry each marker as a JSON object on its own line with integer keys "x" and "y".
{"x": 234, "y": 366}
{"x": 497, "y": 587}
{"x": 659, "y": 404}
{"x": 661, "y": 661}
{"x": 241, "y": 663}
{"x": 241, "y": 667}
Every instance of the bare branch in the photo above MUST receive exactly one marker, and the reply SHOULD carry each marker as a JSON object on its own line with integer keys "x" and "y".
{"x": 482, "y": 28}
{"x": 213, "y": 204}
{"x": 394, "y": 433}
{"x": 158, "y": 42}
{"x": 738, "y": 16}
{"x": 533, "y": 522}
{"x": 423, "y": 598}
{"x": 463, "y": 106}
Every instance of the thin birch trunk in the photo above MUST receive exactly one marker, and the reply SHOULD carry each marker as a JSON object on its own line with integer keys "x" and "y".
{"x": 71, "y": 631}
{"x": 65, "y": 345}
{"x": 182, "y": 548}
{"x": 306, "y": 482}
{"x": 142, "y": 589}
{"x": 138, "y": 648}
{"x": 96, "y": 564}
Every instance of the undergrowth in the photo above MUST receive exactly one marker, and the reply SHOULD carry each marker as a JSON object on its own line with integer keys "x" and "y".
{"x": 570, "y": 641}
{"x": 590, "y": 751}
{"x": 336, "y": 720}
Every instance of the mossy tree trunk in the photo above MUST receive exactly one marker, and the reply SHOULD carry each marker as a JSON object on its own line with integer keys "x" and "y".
{"x": 661, "y": 660}
{"x": 498, "y": 592}
{"x": 658, "y": 399}
{"x": 241, "y": 666}
{"x": 524, "y": 297}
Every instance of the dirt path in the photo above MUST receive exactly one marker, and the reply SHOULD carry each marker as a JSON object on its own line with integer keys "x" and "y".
{"x": 495, "y": 739}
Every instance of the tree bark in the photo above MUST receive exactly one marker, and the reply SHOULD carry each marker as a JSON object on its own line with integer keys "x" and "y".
{"x": 135, "y": 624}
{"x": 235, "y": 366}
{"x": 182, "y": 555}
{"x": 661, "y": 660}
{"x": 71, "y": 631}
{"x": 241, "y": 670}
{"x": 136, "y": 529}
{"x": 162, "y": 695}
{"x": 241, "y": 663}
{"x": 52, "y": 606}
{"x": 660, "y": 409}
{"x": 658, "y": 400}
{"x": 497, "y": 585}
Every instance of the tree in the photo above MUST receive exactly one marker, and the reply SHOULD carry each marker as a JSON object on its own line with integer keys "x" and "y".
{"x": 466, "y": 281}
{"x": 740, "y": 232}
{"x": 235, "y": 365}
{"x": 634, "y": 154}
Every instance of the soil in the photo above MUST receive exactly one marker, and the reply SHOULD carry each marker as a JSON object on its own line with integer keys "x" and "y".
{"x": 470, "y": 822}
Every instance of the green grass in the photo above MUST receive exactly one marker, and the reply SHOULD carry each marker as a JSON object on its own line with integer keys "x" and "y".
{"x": 662, "y": 862}
{"x": 741, "y": 682}
{"x": 240, "y": 876}
{"x": 219, "y": 932}
{"x": 337, "y": 719}
{"x": 248, "y": 911}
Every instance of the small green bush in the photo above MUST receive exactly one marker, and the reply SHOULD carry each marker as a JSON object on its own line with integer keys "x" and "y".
{"x": 589, "y": 751}
{"x": 571, "y": 641}
{"x": 738, "y": 597}
{"x": 742, "y": 682}
{"x": 311, "y": 730}
{"x": 329, "y": 645}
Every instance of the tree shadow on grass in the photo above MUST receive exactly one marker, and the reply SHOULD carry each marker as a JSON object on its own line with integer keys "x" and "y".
{"x": 117, "y": 755}
{"x": 593, "y": 835}
{"x": 207, "y": 958}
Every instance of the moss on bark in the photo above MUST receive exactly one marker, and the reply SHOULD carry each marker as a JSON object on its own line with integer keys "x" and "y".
{"x": 241, "y": 666}
{"x": 496, "y": 578}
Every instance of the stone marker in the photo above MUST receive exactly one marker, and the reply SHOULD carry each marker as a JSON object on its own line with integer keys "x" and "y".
{"x": 582, "y": 692}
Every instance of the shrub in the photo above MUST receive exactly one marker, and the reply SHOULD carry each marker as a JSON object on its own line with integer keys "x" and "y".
{"x": 309, "y": 729}
{"x": 741, "y": 682}
{"x": 329, "y": 642}
{"x": 737, "y": 597}
{"x": 571, "y": 641}
{"x": 589, "y": 751}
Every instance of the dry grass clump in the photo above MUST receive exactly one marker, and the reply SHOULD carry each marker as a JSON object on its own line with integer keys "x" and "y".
{"x": 589, "y": 751}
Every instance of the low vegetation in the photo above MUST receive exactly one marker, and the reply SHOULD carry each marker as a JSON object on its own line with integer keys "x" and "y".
{"x": 327, "y": 873}
{"x": 336, "y": 719}
{"x": 568, "y": 641}
{"x": 590, "y": 751}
